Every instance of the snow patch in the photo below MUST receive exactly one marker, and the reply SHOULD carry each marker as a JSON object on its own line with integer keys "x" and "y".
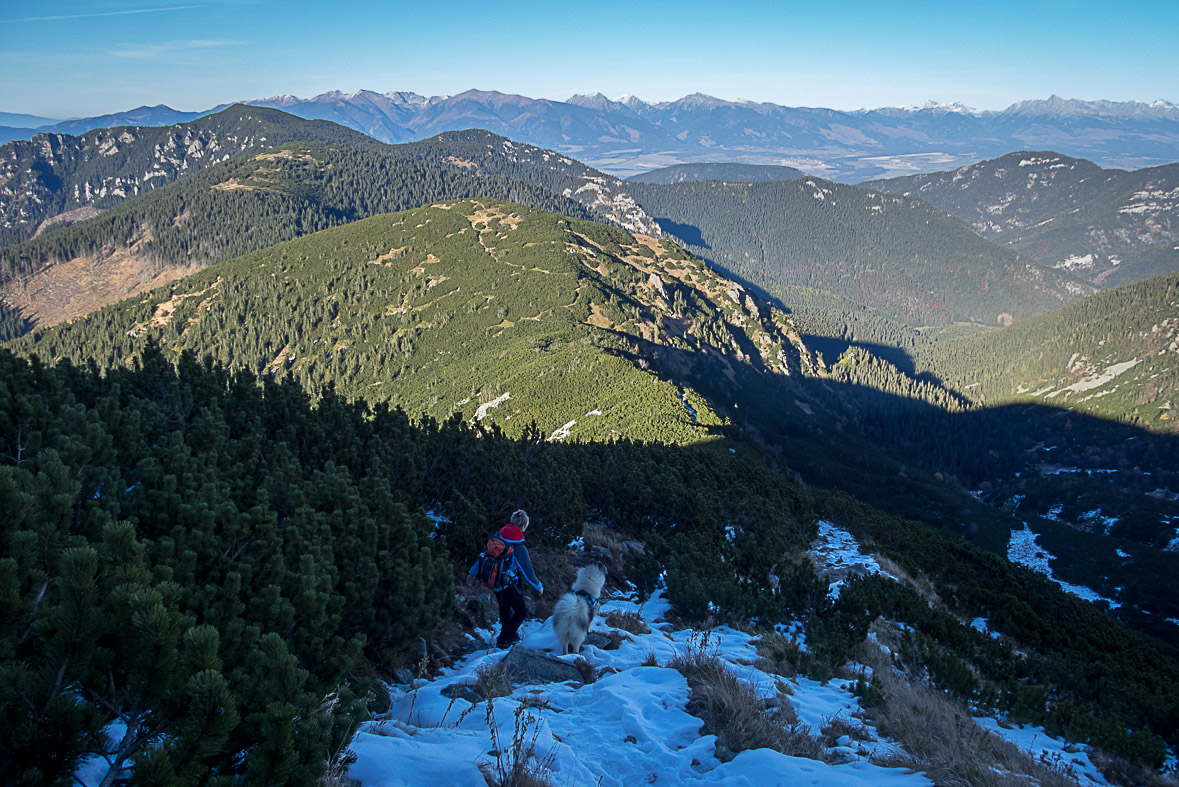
{"x": 1075, "y": 262}
{"x": 630, "y": 727}
{"x": 1071, "y": 757}
{"x": 1089, "y": 383}
{"x": 481, "y": 413}
{"x": 1023, "y": 549}
{"x": 836, "y": 553}
{"x": 560, "y": 434}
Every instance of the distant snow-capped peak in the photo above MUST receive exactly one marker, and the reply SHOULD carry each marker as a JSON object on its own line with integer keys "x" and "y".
{"x": 956, "y": 107}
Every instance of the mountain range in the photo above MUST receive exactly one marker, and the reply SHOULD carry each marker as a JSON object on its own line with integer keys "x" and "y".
{"x": 258, "y": 415}
{"x": 881, "y": 263}
{"x": 1107, "y": 226}
{"x": 629, "y": 136}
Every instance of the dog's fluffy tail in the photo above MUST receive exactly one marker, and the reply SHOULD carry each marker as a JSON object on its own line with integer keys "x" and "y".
{"x": 590, "y": 579}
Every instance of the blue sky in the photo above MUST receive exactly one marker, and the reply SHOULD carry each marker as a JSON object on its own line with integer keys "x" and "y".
{"x": 87, "y": 58}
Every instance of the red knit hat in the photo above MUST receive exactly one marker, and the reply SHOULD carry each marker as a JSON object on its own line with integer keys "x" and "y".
{"x": 511, "y": 533}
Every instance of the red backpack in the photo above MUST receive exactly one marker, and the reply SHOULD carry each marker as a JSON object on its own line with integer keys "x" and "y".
{"x": 494, "y": 563}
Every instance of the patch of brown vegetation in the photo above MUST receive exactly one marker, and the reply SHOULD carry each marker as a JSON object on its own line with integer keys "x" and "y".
{"x": 283, "y": 356}
{"x": 486, "y": 215}
{"x": 654, "y": 244}
{"x": 286, "y": 154}
{"x": 389, "y": 255}
{"x": 735, "y": 711}
{"x": 428, "y": 304}
{"x": 459, "y": 162}
{"x": 233, "y": 184}
{"x": 163, "y": 313}
{"x": 940, "y": 738}
{"x": 597, "y": 318}
{"x": 83, "y": 213}
{"x": 76, "y": 287}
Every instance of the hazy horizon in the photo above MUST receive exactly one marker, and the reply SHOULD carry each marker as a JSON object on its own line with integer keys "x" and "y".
{"x": 106, "y": 56}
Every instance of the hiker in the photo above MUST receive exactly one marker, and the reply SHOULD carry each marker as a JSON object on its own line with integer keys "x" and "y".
{"x": 507, "y": 587}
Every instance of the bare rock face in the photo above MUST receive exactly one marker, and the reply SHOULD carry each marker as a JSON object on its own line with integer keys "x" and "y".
{"x": 531, "y": 666}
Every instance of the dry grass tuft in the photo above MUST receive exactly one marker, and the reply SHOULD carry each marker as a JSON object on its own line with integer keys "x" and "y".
{"x": 337, "y": 771}
{"x": 627, "y": 621}
{"x": 733, "y": 710}
{"x": 781, "y": 656}
{"x": 941, "y": 738}
{"x": 536, "y": 699}
{"x": 651, "y": 660}
{"x": 516, "y": 763}
{"x": 921, "y": 583}
{"x": 493, "y": 680}
{"x": 597, "y": 536}
{"x": 616, "y": 639}
{"x": 602, "y": 545}
{"x": 589, "y": 673}
{"x": 1123, "y": 772}
{"x": 836, "y": 727}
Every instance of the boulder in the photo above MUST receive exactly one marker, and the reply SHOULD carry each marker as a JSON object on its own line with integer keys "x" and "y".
{"x": 600, "y": 640}
{"x": 632, "y": 546}
{"x": 526, "y": 665}
{"x": 402, "y": 675}
{"x": 462, "y": 691}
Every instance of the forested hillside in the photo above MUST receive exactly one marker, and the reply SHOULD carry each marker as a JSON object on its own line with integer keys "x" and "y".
{"x": 508, "y": 316}
{"x": 482, "y": 152}
{"x": 1106, "y": 226}
{"x": 218, "y": 565}
{"x": 900, "y": 256}
{"x": 237, "y": 207}
{"x": 471, "y": 306}
{"x": 61, "y": 177}
{"x": 1114, "y": 354}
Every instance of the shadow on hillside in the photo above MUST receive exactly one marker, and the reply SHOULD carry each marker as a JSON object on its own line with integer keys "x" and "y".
{"x": 832, "y": 348}
{"x": 1063, "y": 472}
{"x": 685, "y": 233}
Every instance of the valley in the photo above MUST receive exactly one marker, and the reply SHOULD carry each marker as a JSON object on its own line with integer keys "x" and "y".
{"x": 290, "y": 385}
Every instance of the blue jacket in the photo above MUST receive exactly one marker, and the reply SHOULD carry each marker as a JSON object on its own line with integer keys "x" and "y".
{"x": 520, "y": 564}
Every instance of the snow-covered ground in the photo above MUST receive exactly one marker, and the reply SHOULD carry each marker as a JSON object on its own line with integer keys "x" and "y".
{"x": 1023, "y": 549}
{"x": 632, "y": 725}
{"x": 629, "y": 727}
{"x": 836, "y": 554}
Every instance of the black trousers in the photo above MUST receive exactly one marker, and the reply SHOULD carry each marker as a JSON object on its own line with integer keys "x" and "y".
{"x": 511, "y": 612}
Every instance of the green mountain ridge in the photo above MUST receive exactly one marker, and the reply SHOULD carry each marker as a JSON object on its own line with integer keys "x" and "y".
{"x": 1106, "y": 226}
{"x": 908, "y": 260}
{"x": 505, "y": 316}
{"x": 248, "y": 204}
{"x": 1114, "y": 354}
{"x": 55, "y": 174}
{"x": 465, "y": 307}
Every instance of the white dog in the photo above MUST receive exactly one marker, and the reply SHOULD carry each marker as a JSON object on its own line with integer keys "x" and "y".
{"x": 575, "y": 611}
